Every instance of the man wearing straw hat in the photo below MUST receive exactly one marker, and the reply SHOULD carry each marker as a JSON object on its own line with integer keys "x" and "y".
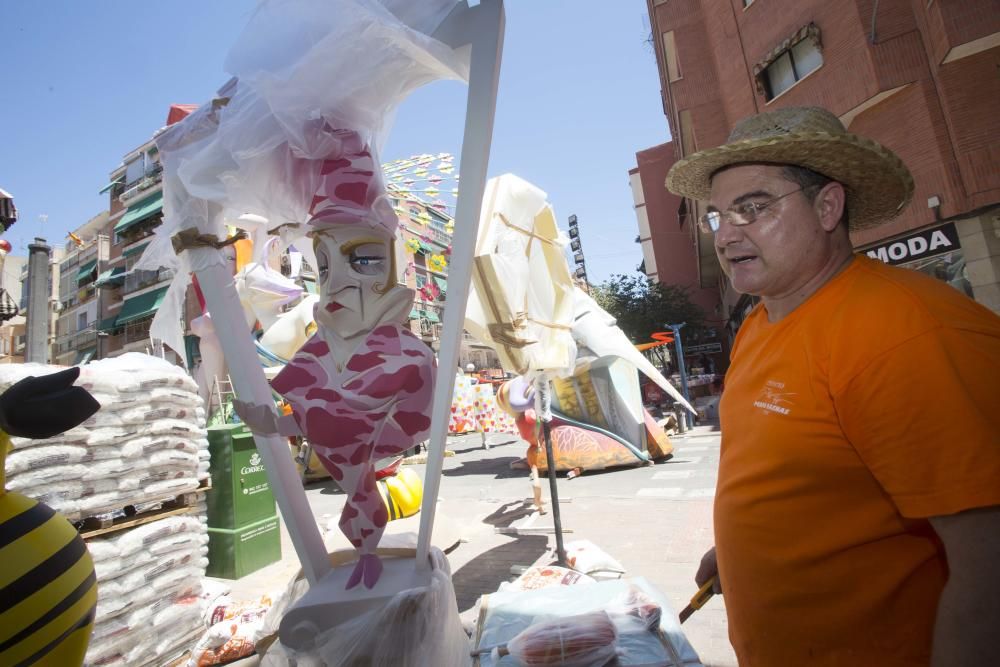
{"x": 857, "y": 516}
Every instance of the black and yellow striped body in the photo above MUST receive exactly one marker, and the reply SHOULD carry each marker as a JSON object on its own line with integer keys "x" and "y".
{"x": 48, "y": 589}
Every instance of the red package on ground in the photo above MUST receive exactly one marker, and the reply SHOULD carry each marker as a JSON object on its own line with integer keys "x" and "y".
{"x": 585, "y": 640}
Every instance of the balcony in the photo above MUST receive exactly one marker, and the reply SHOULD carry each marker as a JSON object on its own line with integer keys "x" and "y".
{"x": 437, "y": 236}
{"x": 137, "y": 280}
{"x": 139, "y": 188}
{"x": 77, "y": 340}
{"x": 136, "y": 332}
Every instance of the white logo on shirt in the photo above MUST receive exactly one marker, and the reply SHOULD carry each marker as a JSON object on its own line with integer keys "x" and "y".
{"x": 773, "y": 399}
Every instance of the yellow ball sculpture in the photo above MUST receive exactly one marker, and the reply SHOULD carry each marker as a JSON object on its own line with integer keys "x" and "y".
{"x": 48, "y": 589}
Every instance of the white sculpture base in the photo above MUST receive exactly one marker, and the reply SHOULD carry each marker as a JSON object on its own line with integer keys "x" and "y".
{"x": 328, "y": 604}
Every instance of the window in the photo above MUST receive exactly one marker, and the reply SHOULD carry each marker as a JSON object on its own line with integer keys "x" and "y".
{"x": 688, "y": 145}
{"x": 135, "y": 170}
{"x": 789, "y": 63}
{"x": 81, "y": 321}
{"x": 670, "y": 55}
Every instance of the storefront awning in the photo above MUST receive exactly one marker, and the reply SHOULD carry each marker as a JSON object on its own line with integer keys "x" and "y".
{"x": 107, "y": 325}
{"x": 414, "y": 314}
{"x": 431, "y": 316}
{"x": 110, "y": 185}
{"x": 83, "y": 356}
{"x": 139, "y": 307}
{"x": 115, "y": 276}
{"x": 441, "y": 283}
{"x": 86, "y": 270}
{"x": 135, "y": 250}
{"x": 140, "y": 211}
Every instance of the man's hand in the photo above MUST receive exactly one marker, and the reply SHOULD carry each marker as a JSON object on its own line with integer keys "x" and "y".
{"x": 262, "y": 419}
{"x": 707, "y": 569}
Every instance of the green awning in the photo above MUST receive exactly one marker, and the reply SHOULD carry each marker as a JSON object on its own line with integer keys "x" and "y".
{"x": 115, "y": 276}
{"x": 431, "y": 316}
{"x": 140, "y": 211}
{"x": 107, "y": 325}
{"x": 425, "y": 248}
{"x": 441, "y": 283}
{"x": 83, "y": 356}
{"x": 128, "y": 252}
{"x": 86, "y": 270}
{"x": 110, "y": 185}
{"x": 310, "y": 286}
{"x": 141, "y": 306}
{"x": 414, "y": 314}
{"x": 192, "y": 349}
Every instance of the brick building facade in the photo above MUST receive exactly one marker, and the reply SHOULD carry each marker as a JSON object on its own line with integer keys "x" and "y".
{"x": 918, "y": 76}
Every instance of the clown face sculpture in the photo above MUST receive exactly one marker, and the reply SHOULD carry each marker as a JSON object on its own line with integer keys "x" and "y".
{"x": 357, "y": 280}
{"x": 360, "y": 387}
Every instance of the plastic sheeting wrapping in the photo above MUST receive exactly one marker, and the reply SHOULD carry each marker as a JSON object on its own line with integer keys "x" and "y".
{"x": 522, "y": 298}
{"x": 302, "y": 69}
{"x": 416, "y": 628}
{"x": 645, "y": 635}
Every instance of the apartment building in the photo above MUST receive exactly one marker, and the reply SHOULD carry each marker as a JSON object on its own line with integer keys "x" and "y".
{"x": 131, "y": 296}
{"x": 425, "y": 232}
{"x": 918, "y": 76}
{"x": 12, "y": 331}
{"x": 84, "y": 257}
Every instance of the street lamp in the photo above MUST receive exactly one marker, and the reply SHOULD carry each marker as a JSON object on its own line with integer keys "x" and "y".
{"x": 676, "y": 328}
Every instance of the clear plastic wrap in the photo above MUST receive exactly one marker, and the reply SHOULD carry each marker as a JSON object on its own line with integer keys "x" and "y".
{"x": 416, "y": 628}
{"x": 300, "y": 68}
{"x": 584, "y": 640}
{"x": 521, "y": 299}
{"x": 645, "y": 634}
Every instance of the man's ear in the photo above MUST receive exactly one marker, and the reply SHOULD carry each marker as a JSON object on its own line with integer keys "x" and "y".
{"x": 830, "y": 204}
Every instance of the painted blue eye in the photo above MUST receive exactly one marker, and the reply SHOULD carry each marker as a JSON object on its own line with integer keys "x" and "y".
{"x": 368, "y": 265}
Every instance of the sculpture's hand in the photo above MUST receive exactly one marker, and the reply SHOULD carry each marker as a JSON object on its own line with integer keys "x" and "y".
{"x": 44, "y": 406}
{"x": 262, "y": 419}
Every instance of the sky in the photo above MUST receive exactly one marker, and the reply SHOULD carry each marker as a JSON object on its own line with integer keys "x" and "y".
{"x": 84, "y": 83}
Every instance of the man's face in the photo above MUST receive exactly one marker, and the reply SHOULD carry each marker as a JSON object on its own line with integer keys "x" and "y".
{"x": 353, "y": 266}
{"x": 783, "y": 248}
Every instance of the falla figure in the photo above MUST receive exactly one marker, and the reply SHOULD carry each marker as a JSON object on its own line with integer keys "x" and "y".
{"x": 48, "y": 588}
{"x": 360, "y": 387}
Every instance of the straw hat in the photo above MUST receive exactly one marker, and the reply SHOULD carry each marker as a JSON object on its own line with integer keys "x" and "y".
{"x": 877, "y": 182}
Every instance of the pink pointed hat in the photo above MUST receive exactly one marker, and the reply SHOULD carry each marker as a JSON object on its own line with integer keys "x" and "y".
{"x": 349, "y": 188}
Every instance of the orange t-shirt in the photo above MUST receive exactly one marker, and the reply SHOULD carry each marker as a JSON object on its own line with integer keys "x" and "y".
{"x": 869, "y": 408}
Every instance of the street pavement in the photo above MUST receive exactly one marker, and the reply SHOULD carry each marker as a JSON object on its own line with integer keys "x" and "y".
{"x": 655, "y": 520}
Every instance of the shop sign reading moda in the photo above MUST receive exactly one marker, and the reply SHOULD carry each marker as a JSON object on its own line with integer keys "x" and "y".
{"x": 925, "y": 243}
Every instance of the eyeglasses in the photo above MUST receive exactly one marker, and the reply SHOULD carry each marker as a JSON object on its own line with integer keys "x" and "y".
{"x": 739, "y": 215}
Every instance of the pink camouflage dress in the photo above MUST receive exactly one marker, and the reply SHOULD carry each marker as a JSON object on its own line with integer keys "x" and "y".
{"x": 377, "y": 406}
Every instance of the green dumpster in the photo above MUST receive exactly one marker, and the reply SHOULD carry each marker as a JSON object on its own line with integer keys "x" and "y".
{"x": 243, "y": 529}
{"x": 233, "y": 554}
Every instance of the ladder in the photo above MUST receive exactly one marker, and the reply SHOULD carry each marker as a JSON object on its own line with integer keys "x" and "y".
{"x": 218, "y": 398}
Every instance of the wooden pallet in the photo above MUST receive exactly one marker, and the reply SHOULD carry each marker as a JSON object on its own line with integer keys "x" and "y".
{"x": 185, "y": 503}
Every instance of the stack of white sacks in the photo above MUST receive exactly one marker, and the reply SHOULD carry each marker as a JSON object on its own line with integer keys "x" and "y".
{"x": 149, "y": 582}
{"x": 146, "y": 444}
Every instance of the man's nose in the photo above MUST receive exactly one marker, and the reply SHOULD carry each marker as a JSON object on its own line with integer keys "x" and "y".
{"x": 727, "y": 234}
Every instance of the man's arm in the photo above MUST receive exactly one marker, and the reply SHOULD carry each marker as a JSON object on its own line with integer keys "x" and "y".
{"x": 968, "y": 614}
